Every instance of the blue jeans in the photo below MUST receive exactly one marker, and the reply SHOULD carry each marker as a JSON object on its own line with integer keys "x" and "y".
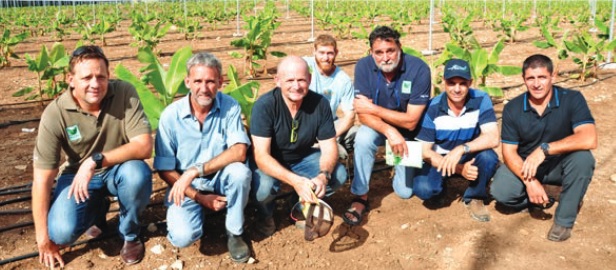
{"x": 265, "y": 188}
{"x": 429, "y": 182}
{"x": 572, "y": 171}
{"x": 130, "y": 181}
{"x": 185, "y": 222}
{"x": 367, "y": 141}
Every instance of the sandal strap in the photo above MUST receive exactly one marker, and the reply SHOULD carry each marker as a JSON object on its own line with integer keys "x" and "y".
{"x": 365, "y": 203}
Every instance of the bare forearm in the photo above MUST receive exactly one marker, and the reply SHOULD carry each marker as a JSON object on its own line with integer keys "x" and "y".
{"x": 170, "y": 177}
{"x": 486, "y": 140}
{"x": 329, "y": 155}
{"x": 345, "y": 123}
{"x": 139, "y": 147}
{"x": 396, "y": 118}
{"x": 41, "y": 200}
{"x": 270, "y": 166}
{"x": 583, "y": 138}
{"x": 235, "y": 153}
{"x": 376, "y": 123}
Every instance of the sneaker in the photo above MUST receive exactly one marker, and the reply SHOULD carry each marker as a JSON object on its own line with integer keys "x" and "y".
{"x": 559, "y": 233}
{"x": 265, "y": 227}
{"x": 478, "y": 210}
{"x": 237, "y": 248}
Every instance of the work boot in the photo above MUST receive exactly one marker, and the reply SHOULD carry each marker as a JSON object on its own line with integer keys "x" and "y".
{"x": 559, "y": 233}
{"x": 132, "y": 252}
{"x": 266, "y": 226}
{"x": 237, "y": 248}
{"x": 478, "y": 210}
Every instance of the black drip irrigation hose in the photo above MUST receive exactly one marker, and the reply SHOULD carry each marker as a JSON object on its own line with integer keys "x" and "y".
{"x": 17, "y": 122}
{"x": 102, "y": 237}
{"x": 114, "y": 232}
{"x": 28, "y": 185}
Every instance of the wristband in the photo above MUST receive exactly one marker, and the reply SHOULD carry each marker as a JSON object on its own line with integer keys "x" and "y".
{"x": 467, "y": 149}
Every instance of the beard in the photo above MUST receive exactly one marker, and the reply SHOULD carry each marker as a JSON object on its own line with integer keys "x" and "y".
{"x": 327, "y": 67}
{"x": 387, "y": 67}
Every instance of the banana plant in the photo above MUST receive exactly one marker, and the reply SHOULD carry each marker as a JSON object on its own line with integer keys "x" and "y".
{"x": 511, "y": 27}
{"x": 257, "y": 41}
{"x": 48, "y": 66}
{"x": 551, "y": 42}
{"x": 589, "y": 53}
{"x": 167, "y": 83}
{"x": 245, "y": 94}
{"x": 483, "y": 64}
{"x": 103, "y": 26}
{"x": 190, "y": 28}
{"x": 148, "y": 36}
{"x": 459, "y": 30}
{"x": 7, "y": 42}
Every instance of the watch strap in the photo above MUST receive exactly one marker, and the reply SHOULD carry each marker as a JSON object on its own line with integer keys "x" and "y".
{"x": 327, "y": 174}
{"x": 199, "y": 167}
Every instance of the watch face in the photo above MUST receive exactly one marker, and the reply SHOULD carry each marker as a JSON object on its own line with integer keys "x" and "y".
{"x": 97, "y": 157}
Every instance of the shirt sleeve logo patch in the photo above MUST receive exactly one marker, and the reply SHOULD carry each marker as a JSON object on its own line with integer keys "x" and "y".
{"x": 406, "y": 87}
{"x": 73, "y": 133}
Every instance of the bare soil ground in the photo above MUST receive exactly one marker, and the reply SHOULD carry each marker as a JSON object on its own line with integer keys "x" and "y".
{"x": 398, "y": 234}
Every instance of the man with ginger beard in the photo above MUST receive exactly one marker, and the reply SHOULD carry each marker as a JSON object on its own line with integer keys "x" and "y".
{"x": 392, "y": 90}
{"x": 336, "y": 86}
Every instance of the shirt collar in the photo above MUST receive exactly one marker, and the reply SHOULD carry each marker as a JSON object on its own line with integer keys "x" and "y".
{"x": 554, "y": 100}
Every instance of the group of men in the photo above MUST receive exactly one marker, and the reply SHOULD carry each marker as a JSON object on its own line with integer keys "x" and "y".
{"x": 205, "y": 155}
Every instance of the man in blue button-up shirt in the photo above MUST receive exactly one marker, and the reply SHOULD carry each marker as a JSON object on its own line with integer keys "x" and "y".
{"x": 201, "y": 145}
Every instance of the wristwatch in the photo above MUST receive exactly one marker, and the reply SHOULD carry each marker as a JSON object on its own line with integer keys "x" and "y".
{"x": 545, "y": 147}
{"x": 98, "y": 159}
{"x": 328, "y": 175}
{"x": 199, "y": 167}
{"x": 467, "y": 149}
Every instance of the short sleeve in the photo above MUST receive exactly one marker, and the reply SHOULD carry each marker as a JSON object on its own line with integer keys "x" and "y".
{"x": 235, "y": 129}
{"x": 348, "y": 95}
{"x": 486, "y": 111}
{"x": 326, "y": 129}
{"x": 49, "y": 140}
{"x": 362, "y": 77}
{"x": 420, "y": 88}
{"x": 581, "y": 113}
{"x": 135, "y": 122}
{"x": 261, "y": 121}
{"x": 165, "y": 143}
{"x": 509, "y": 134}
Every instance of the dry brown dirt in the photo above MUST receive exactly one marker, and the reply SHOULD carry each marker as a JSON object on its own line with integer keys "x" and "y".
{"x": 398, "y": 234}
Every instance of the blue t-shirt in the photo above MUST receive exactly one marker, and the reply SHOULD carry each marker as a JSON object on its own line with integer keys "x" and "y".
{"x": 446, "y": 130}
{"x": 337, "y": 88}
{"x": 180, "y": 142}
{"x": 522, "y": 125}
{"x": 271, "y": 118}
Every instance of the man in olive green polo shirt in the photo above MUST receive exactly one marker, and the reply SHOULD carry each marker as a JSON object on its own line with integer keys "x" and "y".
{"x": 101, "y": 128}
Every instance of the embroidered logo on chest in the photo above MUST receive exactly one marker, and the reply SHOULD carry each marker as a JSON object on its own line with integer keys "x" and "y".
{"x": 73, "y": 133}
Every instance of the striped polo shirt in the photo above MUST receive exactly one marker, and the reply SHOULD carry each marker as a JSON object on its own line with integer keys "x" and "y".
{"x": 445, "y": 130}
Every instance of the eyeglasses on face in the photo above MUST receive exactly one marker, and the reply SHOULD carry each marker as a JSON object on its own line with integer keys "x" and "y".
{"x": 294, "y": 127}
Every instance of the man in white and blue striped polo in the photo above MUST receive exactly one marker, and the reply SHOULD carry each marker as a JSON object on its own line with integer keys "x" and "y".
{"x": 458, "y": 134}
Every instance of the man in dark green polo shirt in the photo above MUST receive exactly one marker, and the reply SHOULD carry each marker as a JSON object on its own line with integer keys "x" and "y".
{"x": 101, "y": 128}
{"x": 547, "y": 136}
